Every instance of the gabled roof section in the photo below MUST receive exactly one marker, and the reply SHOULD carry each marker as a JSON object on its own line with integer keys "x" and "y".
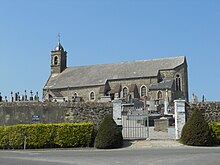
{"x": 80, "y": 76}
{"x": 165, "y": 84}
{"x": 57, "y": 94}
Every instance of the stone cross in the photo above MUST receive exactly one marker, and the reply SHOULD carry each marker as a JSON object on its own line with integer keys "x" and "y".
{"x": 25, "y": 95}
{"x": 31, "y": 96}
{"x": 11, "y": 97}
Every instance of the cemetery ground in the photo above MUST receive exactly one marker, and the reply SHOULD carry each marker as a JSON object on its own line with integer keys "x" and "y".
{"x": 138, "y": 153}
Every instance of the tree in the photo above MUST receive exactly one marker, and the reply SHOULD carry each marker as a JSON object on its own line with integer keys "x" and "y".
{"x": 196, "y": 131}
{"x": 108, "y": 135}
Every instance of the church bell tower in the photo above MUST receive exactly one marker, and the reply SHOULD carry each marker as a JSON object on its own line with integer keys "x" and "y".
{"x": 58, "y": 59}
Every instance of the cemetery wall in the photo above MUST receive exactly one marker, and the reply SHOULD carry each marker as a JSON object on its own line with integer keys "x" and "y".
{"x": 12, "y": 113}
{"x": 210, "y": 110}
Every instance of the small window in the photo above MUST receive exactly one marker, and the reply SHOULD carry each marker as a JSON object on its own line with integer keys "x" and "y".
{"x": 159, "y": 95}
{"x": 178, "y": 82}
{"x": 143, "y": 91}
{"x": 55, "y": 60}
{"x": 125, "y": 91}
{"x": 92, "y": 96}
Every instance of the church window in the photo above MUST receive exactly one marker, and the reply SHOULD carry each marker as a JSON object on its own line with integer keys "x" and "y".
{"x": 125, "y": 91}
{"x": 159, "y": 95}
{"x": 92, "y": 96}
{"x": 55, "y": 60}
{"x": 178, "y": 82}
{"x": 143, "y": 91}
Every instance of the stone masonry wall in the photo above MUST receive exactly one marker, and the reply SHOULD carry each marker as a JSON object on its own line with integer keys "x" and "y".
{"x": 48, "y": 112}
{"x": 210, "y": 110}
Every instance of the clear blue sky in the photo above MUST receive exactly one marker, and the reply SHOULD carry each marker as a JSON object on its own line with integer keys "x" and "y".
{"x": 97, "y": 31}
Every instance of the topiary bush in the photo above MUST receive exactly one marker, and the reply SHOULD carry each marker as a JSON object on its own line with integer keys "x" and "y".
{"x": 196, "y": 131}
{"x": 109, "y": 135}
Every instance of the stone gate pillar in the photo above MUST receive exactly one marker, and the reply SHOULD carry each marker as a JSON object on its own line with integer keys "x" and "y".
{"x": 180, "y": 117}
{"x": 117, "y": 109}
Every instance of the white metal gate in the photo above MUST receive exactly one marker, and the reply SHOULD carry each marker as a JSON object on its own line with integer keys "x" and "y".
{"x": 133, "y": 126}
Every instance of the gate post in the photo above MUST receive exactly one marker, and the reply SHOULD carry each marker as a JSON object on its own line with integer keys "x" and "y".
{"x": 146, "y": 108}
{"x": 180, "y": 117}
{"x": 117, "y": 109}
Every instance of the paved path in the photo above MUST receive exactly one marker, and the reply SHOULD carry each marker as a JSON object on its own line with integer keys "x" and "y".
{"x": 159, "y": 135}
{"x": 141, "y": 144}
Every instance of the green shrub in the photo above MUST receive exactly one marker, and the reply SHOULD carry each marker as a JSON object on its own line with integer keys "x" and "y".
{"x": 4, "y": 138}
{"x": 39, "y": 135}
{"x": 69, "y": 135}
{"x": 46, "y": 135}
{"x": 196, "y": 131}
{"x": 16, "y": 135}
{"x": 108, "y": 135}
{"x": 215, "y": 129}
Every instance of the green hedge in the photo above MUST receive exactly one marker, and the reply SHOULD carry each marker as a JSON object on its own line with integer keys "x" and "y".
{"x": 215, "y": 128}
{"x": 46, "y": 135}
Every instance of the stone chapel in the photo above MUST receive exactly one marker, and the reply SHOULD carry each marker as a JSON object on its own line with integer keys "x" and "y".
{"x": 155, "y": 78}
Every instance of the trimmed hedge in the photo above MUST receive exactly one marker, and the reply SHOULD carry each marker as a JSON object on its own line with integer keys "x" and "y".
{"x": 196, "y": 131}
{"x": 215, "y": 129}
{"x": 46, "y": 135}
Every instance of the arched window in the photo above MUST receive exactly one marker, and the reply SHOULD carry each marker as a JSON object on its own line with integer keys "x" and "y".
{"x": 55, "y": 60}
{"x": 143, "y": 91}
{"x": 125, "y": 92}
{"x": 178, "y": 82}
{"x": 159, "y": 95}
{"x": 92, "y": 96}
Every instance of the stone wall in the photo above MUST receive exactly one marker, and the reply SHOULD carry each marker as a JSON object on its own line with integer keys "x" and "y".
{"x": 48, "y": 112}
{"x": 210, "y": 110}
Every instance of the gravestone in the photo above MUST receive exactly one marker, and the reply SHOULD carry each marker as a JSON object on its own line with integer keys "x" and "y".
{"x": 17, "y": 96}
{"x": 36, "y": 98}
{"x": 161, "y": 124}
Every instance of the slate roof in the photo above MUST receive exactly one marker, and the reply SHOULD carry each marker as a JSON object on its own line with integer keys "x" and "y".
{"x": 80, "y": 76}
{"x": 166, "y": 84}
{"x": 57, "y": 94}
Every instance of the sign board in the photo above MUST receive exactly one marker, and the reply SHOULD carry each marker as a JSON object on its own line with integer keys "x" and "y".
{"x": 35, "y": 117}
{"x": 181, "y": 107}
